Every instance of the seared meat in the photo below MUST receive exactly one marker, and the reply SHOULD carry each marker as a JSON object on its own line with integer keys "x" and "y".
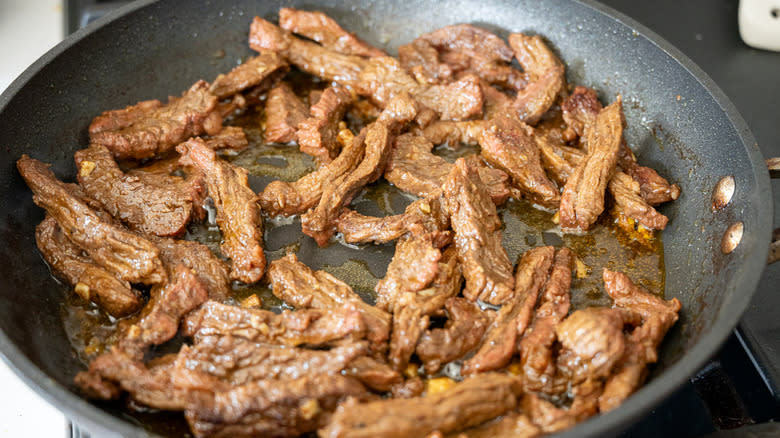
{"x": 299, "y": 286}
{"x": 147, "y": 204}
{"x": 374, "y": 374}
{"x": 89, "y": 280}
{"x": 283, "y": 112}
{"x": 546, "y": 75}
{"x": 509, "y": 426}
{"x": 414, "y": 265}
{"x": 468, "y": 403}
{"x": 251, "y": 73}
{"x": 536, "y": 346}
{"x": 454, "y": 133}
{"x": 238, "y": 216}
{"x": 409, "y": 323}
{"x": 459, "y": 100}
{"x": 550, "y": 418}
{"x": 230, "y": 137}
{"x": 583, "y": 196}
{"x": 306, "y": 326}
{"x": 317, "y": 134}
{"x": 126, "y": 255}
{"x": 593, "y": 343}
{"x": 483, "y": 260}
{"x": 580, "y": 110}
{"x": 150, "y": 128}
{"x": 506, "y": 143}
{"x": 212, "y": 272}
{"x": 319, "y": 27}
{"x": 500, "y": 342}
{"x": 421, "y": 60}
{"x": 429, "y": 214}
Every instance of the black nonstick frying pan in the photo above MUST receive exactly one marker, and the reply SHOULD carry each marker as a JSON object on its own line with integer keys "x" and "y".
{"x": 679, "y": 123}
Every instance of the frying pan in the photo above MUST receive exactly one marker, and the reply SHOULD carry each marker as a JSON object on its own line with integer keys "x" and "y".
{"x": 679, "y": 123}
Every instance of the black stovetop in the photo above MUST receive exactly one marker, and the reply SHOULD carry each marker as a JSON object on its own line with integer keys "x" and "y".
{"x": 741, "y": 385}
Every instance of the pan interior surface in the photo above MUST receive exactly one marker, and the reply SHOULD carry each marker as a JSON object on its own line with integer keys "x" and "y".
{"x": 155, "y": 49}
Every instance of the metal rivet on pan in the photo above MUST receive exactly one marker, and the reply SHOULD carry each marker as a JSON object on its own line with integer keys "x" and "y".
{"x": 732, "y": 237}
{"x": 723, "y": 192}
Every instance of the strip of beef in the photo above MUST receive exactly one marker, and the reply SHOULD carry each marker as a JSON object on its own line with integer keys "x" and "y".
{"x": 271, "y": 408}
{"x": 283, "y": 112}
{"x": 212, "y": 272}
{"x": 459, "y": 100}
{"x": 148, "y": 129}
{"x": 500, "y": 342}
{"x": 373, "y": 373}
{"x": 454, "y": 133}
{"x": 421, "y": 60}
{"x": 536, "y": 345}
{"x": 239, "y": 361}
{"x": 307, "y": 326}
{"x": 414, "y": 266}
{"x": 159, "y": 319}
{"x": 238, "y": 215}
{"x": 147, "y": 205}
{"x": 287, "y": 199}
{"x": 477, "y": 228}
{"x": 320, "y": 222}
{"x": 89, "y": 280}
{"x": 657, "y": 317}
{"x": 551, "y": 419}
{"x": 409, "y": 323}
{"x": 319, "y": 27}
{"x": 317, "y": 133}
{"x": 583, "y": 196}
{"x": 546, "y": 77}
{"x": 250, "y": 73}
{"x": 509, "y": 426}
{"x": 358, "y": 228}
{"x": 580, "y": 110}
{"x": 126, "y": 255}
{"x": 230, "y": 137}
{"x": 300, "y": 286}
{"x": 466, "y": 404}
{"x": 507, "y": 144}
{"x": 462, "y": 333}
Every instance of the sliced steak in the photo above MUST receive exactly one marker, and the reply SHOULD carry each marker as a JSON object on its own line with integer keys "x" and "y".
{"x": 283, "y": 112}
{"x": 251, "y": 73}
{"x": 148, "y": 205}
{"x": 126, "y": 255}
{"x": 421, "y": 60}
{"x": 546, "y": 77}
{"x": 507, "y": 144}
{"x": 593, "y": 343}
{"x": 580, "y": 110}
{"x": 230, "y": 137}
{"x": 468, "y": 403}
{"x": 319, "y": 27}
{"x": 212, "y": 272}
{"x": 583, "y": 196}
{"x": 317, "y": 134}
{"x": 414, "y": 266}
{"x": 409, "y": 323}
{"x": 298, "y": 285}
{"x": 459, "y": 100}
{"x": 654, "y": 188}
{"x": 512, "y": 425}
{"x": 307, "y": 326}
{"x": 373, "y": 373}
{"x": 465, "y": 326}
{"x": 500, "y": 342}
{"x": 429, "y": 214}
{"x": 238, "y": 215}
{"x": 148, "y": 129}
{"x": 477, "y": 228}
{"x": 89, "y": 280}
{"x": 536, "y": 345}
{"x": 454, "y": 134}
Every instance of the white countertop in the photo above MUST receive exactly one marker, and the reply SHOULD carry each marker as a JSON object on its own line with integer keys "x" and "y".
{"x": 28, "y": 28}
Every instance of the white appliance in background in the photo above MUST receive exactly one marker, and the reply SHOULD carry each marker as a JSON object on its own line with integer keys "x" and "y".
{"x": 759, "y": 23}
{"x": 28, "y": 28}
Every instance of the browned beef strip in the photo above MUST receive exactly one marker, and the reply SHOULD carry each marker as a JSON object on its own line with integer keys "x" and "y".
{"x": 271, "y": 408}
{"x": 126, "y": 255}
{"x": 421, "y": 60}
{"x": 414, "y": 265}
{"x": 382, "y": 78}
{"x": 654, "y": 188}
{"x": 145, "y": 130}
{"x": 238, "y": 215}
{"x": 593, "y": 337}
{"x": 409, "y": 323}
{"x": 507, "y": 144}
{"x": 307, "y": 326}
{"x": 550, "y": 418}
{"x": 320, "y": 222}
{"x": 546, "y": 74}
{"x": 468, "y": 403}
{"x": 459, "y": 100}
{"x": 409, "y": 388}
{"x": 287, "y": 199}
{"x": 317, "y": 133}
{"x": 306, "y": 55}
{"x": 374, "y": 374}
{"x": 462, "y": 333}
{"x": 500, "y": 342}
{"x": 212, "y": 272}
{"x": 319, "y": 27}
{"x": 580, "y": 110}
{"x": 512, "y": 425}
{"x": 147, "y": 205}
{"x": 536, "y": 345}
{"x": 298, "y": 285}
{"x": 477, "y": 228}
{"x": 249, "y": 74}
{"x": 283, "y": 112}
{"x": 159, "y": 319}
{"x": 454, "y": 133}
{"x": 230, "y": 137}
{"x": 583, "y": 196}
{"x": 89, "y": 280}
{"x": 657, "y": 316}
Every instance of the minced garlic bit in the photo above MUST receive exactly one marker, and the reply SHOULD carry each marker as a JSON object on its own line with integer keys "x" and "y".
{"x": 581, "y": 270}
{"x": 438, "y": 384}
{"x": 425, "y": 207}
{"x": 515, "y": 368}
{"x": 82, "y": 290}
{"x": 410, "y": 371}
{"x": 310, "y": 408}
{"x": 251, "y": 301}
{"x": 86, "y": 168}
{"x": 556, "y": 218}
{"x": 345, "y": 136}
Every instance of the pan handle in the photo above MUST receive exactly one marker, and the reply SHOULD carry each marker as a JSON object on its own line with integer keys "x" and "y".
{"x": 773, "y": 164}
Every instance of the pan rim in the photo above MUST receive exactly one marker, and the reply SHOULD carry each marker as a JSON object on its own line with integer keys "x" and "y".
{"x": 95, "y": 419}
